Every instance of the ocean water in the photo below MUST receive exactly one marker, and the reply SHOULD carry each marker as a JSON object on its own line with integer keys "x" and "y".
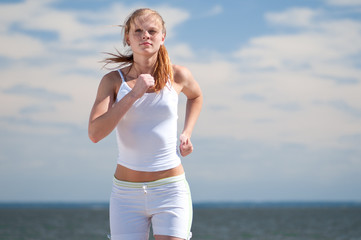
{"x": 210, "y": 222}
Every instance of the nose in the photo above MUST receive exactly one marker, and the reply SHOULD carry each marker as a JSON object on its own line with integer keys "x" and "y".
{"x": 146, "y": 35}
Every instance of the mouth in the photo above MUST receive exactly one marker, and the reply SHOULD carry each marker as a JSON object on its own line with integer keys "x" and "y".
{"x": 146, "y": 44}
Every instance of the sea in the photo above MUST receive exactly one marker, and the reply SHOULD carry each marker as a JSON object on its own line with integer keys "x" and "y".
{"x": 211, "y": 221}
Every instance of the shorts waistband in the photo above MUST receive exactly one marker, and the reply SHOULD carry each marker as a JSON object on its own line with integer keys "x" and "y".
{"x": 156, "y": 183}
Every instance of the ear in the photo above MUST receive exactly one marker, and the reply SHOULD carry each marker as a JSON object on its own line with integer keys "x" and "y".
{"x": 163, "y": 38}
{"x": 126, "y": 39}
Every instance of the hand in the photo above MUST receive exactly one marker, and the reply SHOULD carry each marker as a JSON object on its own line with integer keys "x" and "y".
{"x": 185, "y": 146}
{"x": 143, "y": 83}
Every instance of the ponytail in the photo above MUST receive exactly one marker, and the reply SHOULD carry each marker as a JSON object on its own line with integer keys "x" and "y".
{"x": 163, "y": 71}
{"x": 119, "y": 58}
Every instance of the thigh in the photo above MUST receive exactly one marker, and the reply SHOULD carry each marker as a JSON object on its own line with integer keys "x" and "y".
{"x": 172, "y": 212}
{"x": 128, "y": 218}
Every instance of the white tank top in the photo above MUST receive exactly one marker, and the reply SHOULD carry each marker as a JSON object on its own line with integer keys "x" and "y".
{"x": 147, "y": 133}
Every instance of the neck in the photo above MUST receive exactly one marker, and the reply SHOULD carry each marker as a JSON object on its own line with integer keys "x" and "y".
{"x": 144, "y": 65}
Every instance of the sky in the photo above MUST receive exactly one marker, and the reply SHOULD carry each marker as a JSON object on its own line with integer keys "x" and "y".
{"x": 281, "y": 119}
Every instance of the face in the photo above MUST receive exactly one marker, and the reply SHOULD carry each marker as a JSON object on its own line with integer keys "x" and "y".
{"x": 145, "y": 35}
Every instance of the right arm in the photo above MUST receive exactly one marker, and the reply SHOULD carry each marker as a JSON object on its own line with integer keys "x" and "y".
{"x": 105, "y": 115}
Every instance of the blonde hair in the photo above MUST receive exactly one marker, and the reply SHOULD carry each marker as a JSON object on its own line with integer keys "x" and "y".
{"x": 163, "y": 71}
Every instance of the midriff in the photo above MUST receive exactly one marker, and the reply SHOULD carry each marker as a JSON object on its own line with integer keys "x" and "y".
{"x": 125, "y": 174}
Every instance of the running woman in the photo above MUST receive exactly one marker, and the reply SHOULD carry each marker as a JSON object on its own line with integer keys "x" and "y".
{"x": 139, "y": 101}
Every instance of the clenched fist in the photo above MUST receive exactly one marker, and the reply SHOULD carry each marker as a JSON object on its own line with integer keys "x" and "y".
{"x": 185, "y": 146}
{"x": 143, "y": 83}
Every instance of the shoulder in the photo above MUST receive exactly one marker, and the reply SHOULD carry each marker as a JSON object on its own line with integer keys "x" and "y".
{"x": 110, "y": 83}
{"x": 111, "y": 77}
{"x": 182, "y": 77}
{"x": 181, "y": 74}
{"x": 185, "y": 82}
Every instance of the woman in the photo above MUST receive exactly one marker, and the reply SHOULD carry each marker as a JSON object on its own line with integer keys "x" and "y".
{"x": 140, "y": 102}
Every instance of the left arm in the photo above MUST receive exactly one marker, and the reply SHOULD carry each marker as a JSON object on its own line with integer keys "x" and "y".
{"x": 186, "y": 84}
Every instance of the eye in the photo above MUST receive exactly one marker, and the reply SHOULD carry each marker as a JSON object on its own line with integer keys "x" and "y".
{"x": 152, "y": 31}
{"x": 138, "y": 30}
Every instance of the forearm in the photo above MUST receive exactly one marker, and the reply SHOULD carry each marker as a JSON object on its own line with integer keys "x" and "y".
{"x": 193, "y": 109}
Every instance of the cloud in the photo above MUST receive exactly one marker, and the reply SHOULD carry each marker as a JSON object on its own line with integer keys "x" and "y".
{"x": 253, "y": 97}
{"x": 172, "y": 17}
{"x": 306, "y": 49}
{"x": 348, "y": 3}
{"x": 36, "y": 109}
{"x": 210, "y": 12}
{"x": 74, "y": 30}
{"x": 293, "y": 70}
{"x": 40, "y": 93}
{"x": 18, "y": 46}
{"x": 288, "y": 107}
{"x": 345, "y": 107}
{"x": 181, "y": 51}
{"x": 215, "y": 10}
{"x": 300, "y": 17}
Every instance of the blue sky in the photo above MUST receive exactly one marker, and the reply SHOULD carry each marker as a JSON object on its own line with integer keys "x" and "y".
{"x": 282, "y": 97}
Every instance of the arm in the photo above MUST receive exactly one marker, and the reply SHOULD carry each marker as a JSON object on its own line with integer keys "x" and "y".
{"x": 184, "y": 79}
{"x": 105, "y": 115}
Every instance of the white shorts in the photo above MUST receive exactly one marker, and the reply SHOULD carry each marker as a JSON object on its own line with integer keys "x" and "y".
{"x": 165, "y": 203}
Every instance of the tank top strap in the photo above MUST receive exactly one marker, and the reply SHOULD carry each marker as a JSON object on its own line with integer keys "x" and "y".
{"x": 121, "y": 75}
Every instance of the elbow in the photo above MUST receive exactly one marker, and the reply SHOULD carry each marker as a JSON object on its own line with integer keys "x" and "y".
{"x": 93, "y": 137}
{"x": 94, "y": 133}
{"x": 94, "y": 140}
{"x": 198, "y": 100}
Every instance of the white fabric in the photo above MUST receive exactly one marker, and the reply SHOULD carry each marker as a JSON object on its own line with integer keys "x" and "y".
{"x": 147, "y": 134}
{"x": 165, "y": 203}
